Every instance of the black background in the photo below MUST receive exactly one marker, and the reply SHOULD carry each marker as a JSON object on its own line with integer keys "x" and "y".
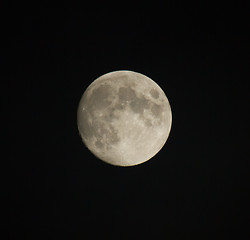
{"x": 198, "y": 182}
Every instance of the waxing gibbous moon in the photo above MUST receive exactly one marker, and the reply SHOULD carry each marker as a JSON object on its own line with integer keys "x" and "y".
{"x": 124, "y": 118}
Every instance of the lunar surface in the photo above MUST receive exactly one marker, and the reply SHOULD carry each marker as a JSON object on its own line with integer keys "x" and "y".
{"x": 124, "y": 118}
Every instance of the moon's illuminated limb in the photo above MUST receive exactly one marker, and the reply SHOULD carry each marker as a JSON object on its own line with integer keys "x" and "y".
{"x": 124, "y": 118}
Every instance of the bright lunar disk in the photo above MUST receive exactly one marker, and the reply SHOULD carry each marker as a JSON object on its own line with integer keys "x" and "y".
{"x": 124, "y": 118}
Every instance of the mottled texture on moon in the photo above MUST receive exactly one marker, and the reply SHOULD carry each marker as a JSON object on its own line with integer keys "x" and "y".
{"x": 124, "y": 118}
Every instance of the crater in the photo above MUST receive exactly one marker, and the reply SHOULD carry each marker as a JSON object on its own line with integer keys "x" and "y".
{"x": 112, "y": 136}
{"x": 98, "y": 129}
{"x": 139, "y": 104}
{"x": 111, "y": 114}
{"x": 99, "y": 144}
{"x": 120, "y": 106}
{"x": 154, "y": 93}
{"x": 126, "y": 94}
{"x": 156, "y": 110}
{"x": 100, "y": 96}
{"x": 148, "y": 123}
{"x": 105, "y": 132}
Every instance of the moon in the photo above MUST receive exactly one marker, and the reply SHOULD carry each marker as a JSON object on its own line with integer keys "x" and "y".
{"x": 124, "y": 118}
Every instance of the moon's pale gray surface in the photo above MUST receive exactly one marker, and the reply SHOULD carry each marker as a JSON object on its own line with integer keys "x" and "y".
{"x": 124, "y": 118}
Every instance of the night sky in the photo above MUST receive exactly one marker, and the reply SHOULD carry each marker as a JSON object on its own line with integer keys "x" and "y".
{"x": 197, "y": 183}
